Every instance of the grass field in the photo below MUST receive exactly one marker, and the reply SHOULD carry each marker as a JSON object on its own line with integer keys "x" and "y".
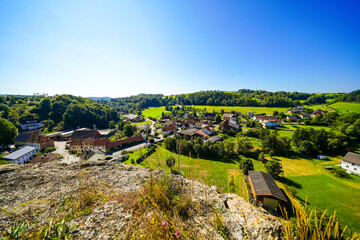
{"x": 257, "y": 110}
{"x": 346, "y": 107}
{"x": 209, "y": 171}
{"x": 143, "y": 123}
{"x": 288, "y": 129}
{"x": 323, "y": 190}
{"x": 154, "y": 112}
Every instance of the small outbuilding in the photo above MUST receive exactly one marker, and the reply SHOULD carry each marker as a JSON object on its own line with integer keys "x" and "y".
{"x": 265, "y": 191}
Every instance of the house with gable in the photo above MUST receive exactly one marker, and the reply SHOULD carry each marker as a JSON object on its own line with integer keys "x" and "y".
{"x": 231, "y": 117}
{"x": 351, "y": 163}
{"x": 30, "y": 124}
{"x": 40, "y": 142}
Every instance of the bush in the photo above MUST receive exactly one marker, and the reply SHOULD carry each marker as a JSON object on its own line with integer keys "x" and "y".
{"x": 108, "y": 158}
{"x": 165, "y": 135}
{"x": 124, "y": 152}
{"x": 170, "y": 162}
{"x": 339, "y": 172}
{"x": 274, "y": 168}
{"x": 246, "y": 165}
{"x": 49, "y": 149}
{"x": 292, "y": 190}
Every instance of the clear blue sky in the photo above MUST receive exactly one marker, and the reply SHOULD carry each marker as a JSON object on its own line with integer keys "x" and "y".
{"x": 121, "y": 48}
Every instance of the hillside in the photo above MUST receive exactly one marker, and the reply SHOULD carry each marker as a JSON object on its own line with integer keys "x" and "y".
{"x": 105, "y": 200}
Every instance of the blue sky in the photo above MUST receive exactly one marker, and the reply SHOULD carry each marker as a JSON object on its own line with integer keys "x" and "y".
{"x": 121, "y": 48}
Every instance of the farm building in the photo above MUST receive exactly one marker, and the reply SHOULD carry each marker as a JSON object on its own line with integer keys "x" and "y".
{"x": 265, "y": 191}
{"x": 21, "y": 156}
{"x": 21, "y": 139}
{"x": 351, "y": 163}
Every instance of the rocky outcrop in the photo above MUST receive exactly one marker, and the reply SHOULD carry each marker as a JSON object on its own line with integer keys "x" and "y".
{"x": 32, "y": 191}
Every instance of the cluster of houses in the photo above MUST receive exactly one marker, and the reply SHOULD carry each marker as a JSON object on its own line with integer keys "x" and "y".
{"x": 86, "y": 139}
{"x": 78, "y": 140}
{"x": 298, "y": 113}
{"x": 193, "y": 127}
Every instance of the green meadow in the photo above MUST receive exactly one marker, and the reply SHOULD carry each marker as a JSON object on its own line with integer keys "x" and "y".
{"x": 256, "y": 110}
{"x": 288, "y": 129}
{"x": 322, "y": 189}
{"x": 154, "y": 112}
{"x": 346, "y": 107}
{"x": 143, "y": 123}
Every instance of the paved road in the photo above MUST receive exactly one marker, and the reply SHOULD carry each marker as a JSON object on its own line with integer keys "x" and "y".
{"x": 60, "y": 149}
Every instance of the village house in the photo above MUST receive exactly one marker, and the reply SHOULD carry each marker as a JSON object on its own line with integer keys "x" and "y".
{"x": 21, "y": 156}
{"x": 351, "y": 163}
{"x": 121, "y": 143}
{"x": 84, "y": 133}
{"x": 231, "y": 117}
{"x": 214, "y": 139}
{"x": 164, "y": 119}
{"x": 317, "y": 112}
{"x": 133, "y": 118}
{"x": 30, "y": 124}
{"x": 106, "y": 133}
{"x": 88, "y": 144}
{"x": 55, "y": 136}
{"x": 192, "y": 132}
{"x": 268, "y": 121}
{"x": 305, "y": 116}
{"x": 210, "y": 116}
{"x": 226, "y": 125}
{"x": 169, "y": 129}
{"x": 292, "y": 118}
{"x": 265, "y": 191}
{"x": 40, "y": 142}
{"x": 208, "y": 129}
{"x": 20, "y": 140}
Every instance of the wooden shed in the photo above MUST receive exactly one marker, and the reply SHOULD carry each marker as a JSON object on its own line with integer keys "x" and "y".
{"x": 265, "y": 190}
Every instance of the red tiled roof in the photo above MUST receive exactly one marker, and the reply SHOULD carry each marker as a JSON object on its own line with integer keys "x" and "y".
{"x": 202, "y": 134}
{"x": 125, "y": 141}
{"x": 170, "y": 128}
{"x": 36, "y": 138}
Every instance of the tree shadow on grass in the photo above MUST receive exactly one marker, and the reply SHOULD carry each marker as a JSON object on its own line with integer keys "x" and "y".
{"x": 290, "y": 182}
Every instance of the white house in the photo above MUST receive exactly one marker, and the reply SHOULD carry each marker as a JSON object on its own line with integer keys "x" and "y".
{"x": 21, "y": 156}
{"x": 351, "y": 163}
{"x": 30, "y": 124}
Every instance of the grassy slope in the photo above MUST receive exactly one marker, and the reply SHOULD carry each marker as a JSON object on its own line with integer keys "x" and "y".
{"x": 209, "y": 171}
{"x": 324, "y": 190}
{"x": 267, "y": 110}
{"x": 345, "y": 106}
{"x": 288, "y": 129}
{"x": 154, "y": 112}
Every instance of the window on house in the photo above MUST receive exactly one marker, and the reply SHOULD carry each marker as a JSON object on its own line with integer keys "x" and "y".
{"x": 347, "y": 166}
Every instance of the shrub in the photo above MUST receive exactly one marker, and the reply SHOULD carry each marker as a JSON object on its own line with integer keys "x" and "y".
{"x": 170, "y": 162}
{"x": 246, "y": 165}
{"x": 274, "y": 168}
{"x": 49, "y": 149}
{"x": 165, "y": 135}
{"x": 108, "y": 158}
{"x": 339, "y": 172}
{"x": 124, "y": 152}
